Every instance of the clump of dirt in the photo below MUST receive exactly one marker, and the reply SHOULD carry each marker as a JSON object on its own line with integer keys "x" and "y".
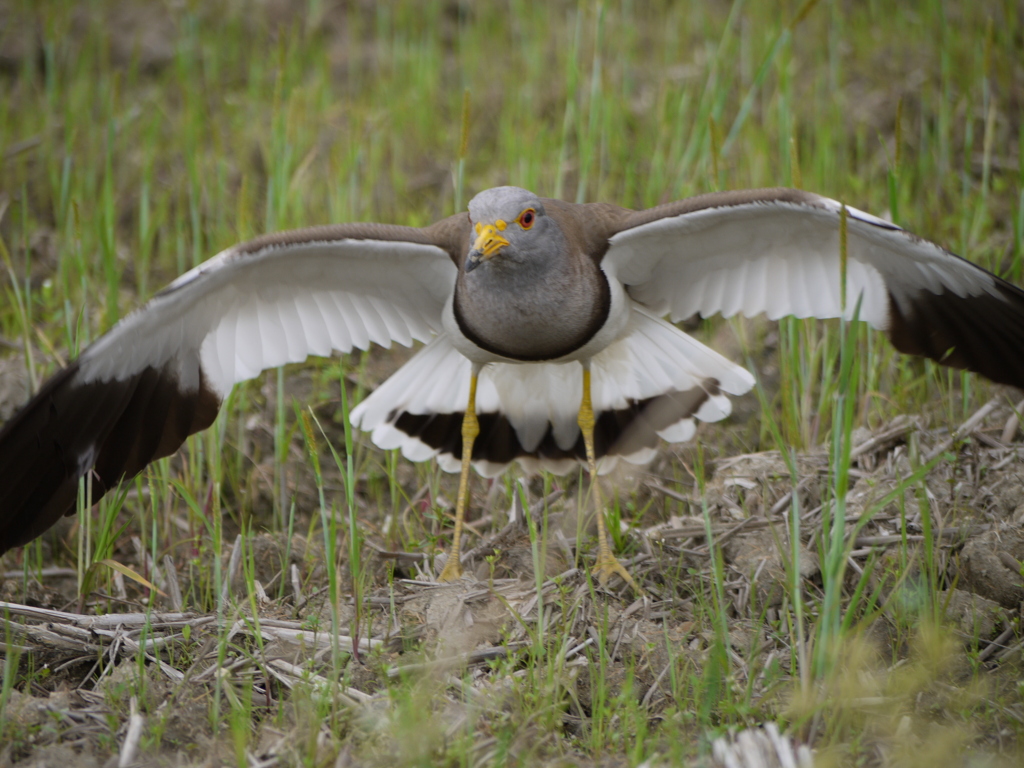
{"x": 274, "y": 554}
{"x": 457, "y": 618}
{"x": 762, "y": 560}
{"x": 973, "y": 615}
{"x": 37, "y": 725}
{"x": 31, "y": 592}
{"x": 990, "y": 565}
{"x": 753, "y": 484}
{"x": 54, "y": 754}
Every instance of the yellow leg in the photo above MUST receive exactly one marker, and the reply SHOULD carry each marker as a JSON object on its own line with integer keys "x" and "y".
{"x": 470, "y": 429}
{"x": 607, "y": 564}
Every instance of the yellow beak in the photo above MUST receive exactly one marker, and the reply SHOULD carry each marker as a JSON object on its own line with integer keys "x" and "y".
{"x": 488, "y": 242}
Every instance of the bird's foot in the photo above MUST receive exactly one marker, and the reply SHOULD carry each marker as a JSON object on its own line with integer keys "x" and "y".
{"x": 452, "y": 570}
{"x": 608, "y": 565}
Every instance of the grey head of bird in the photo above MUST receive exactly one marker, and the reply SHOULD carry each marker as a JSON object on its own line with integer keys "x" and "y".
{"x": 511, "y": 228}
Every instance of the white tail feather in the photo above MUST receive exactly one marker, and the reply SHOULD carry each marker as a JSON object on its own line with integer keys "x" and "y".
{"x": 652, "y": 358}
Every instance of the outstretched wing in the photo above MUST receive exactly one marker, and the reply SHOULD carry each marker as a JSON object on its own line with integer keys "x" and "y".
{"x": 161, "y": 373}
{"x": 777, "y": 251}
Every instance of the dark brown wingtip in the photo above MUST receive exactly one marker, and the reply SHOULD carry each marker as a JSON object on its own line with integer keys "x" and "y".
{"x": 114, "y": 428}
{"x": 983, "y": 333}
{"x": 618, "y": 432}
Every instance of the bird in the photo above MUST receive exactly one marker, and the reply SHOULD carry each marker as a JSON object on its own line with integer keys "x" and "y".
{"x": 547, "y": 332}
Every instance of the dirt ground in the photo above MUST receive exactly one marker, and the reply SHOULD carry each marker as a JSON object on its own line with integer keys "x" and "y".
{"x": 467, "y": 642}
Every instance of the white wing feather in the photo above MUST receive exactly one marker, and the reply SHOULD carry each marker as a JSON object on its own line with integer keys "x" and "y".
{"x": 782, "y": 258}
{"x": 245, "y": 312}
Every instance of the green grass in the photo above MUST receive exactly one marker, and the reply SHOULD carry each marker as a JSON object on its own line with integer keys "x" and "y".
{"x": 137, "y": 140}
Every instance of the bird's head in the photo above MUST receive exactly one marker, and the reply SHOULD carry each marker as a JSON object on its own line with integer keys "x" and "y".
{"x": 509, "y": 223}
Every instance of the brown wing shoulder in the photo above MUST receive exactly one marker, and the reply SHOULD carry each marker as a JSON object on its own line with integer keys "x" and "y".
{"x": 726, "y": 199}
{"x": 452, "y": 234}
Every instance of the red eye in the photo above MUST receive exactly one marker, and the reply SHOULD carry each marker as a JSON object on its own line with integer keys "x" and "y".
{"x": 526, "y": 218}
